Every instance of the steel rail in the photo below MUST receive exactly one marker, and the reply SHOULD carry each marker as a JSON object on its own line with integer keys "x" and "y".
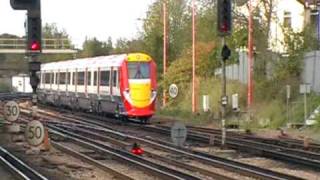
{"x": 17, "y": 167}
{"x": 215, "y": 161}
{"x": 287, "y": 142}
{"x": 90, "y": 160}
{"x": 257, "y": 147}
{"x": 90, "y": 132}
{"x": 156, "y": 169}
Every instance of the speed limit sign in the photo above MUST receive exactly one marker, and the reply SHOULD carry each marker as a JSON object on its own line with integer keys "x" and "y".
{"x": 34, "y": 133}
{"x": 173, "y": 90}
{"x": 11, "y": 111}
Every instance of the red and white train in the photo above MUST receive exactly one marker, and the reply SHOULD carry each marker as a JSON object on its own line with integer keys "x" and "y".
{"x": 124, "y": 85}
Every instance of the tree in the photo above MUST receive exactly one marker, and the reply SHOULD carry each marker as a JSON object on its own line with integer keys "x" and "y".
{"x": 93, "y": 47}
{"x": 56, "y": 39}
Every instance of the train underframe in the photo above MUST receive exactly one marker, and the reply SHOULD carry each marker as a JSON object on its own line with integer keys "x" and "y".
{"x": 103, "y": 105}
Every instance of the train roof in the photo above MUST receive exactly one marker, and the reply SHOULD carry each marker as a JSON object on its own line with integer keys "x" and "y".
{"x": 101, "y": 61}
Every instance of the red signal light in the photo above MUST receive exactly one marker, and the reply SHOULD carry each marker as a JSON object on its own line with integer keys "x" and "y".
{"x": 137, "y": 150}
{"x": 225, "y": 27}
{"x": 35, "y": 46}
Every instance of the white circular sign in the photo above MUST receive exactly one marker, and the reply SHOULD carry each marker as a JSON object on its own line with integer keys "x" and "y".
{"x": 173, "y": 90}
{"x": 34, "y": 133}
{"x": 178, "y": 133}
{"x": 11, "y": 111}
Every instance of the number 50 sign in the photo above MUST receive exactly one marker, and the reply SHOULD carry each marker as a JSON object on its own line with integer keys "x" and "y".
{"x": 34, "y": 133}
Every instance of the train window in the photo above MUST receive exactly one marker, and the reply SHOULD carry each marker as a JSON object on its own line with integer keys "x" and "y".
{"x": 74, "y": 78}
{"x": 95, "y": 78}
{"x": 89, "y": 78}
{"x": 47, "y": 78}
{"x": 139, "y": 70}
{"x": 62, "y": 78}
{"x": 105, "y": 78}
{"x": 114, "y": 79}
{"x": 80, "y": 78}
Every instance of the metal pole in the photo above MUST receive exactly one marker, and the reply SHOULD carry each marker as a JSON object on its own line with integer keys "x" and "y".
{"x": 224, "y": 95}
{"x": 164, "y": 101}
{"x": 250, "y": 58}
{"x": 288, "y": 98}
{"x": 305, "y": 104}
{"x": 194, "y": 93}
{"x": 33, "y": 75}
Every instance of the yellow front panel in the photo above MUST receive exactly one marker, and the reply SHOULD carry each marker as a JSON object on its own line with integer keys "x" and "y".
{"x": 138, "y": 57}
{"x": 140, "y": 94}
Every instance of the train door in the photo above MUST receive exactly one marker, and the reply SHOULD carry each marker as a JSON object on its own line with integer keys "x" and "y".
{"x": 75, "y": 82}
{"x": 115, "y": 82}
{"x": 67, "y": 81}
{"x": 97, "y": 81}
{"x": 42, "y": 80}
{"x": 51, "y": 80}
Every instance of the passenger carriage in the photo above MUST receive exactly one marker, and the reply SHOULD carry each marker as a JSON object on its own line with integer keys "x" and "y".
{"x": 123, "y": 85}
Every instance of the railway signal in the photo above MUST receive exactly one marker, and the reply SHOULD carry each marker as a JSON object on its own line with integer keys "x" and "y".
{"x": 33, "y": 24}
{"x": 137, "y": 150}
{"x": 23, "y": 4}
{"x": 33, "y": 34}
{"x": 33, "y": 43}
{"x": 224, "y": 17}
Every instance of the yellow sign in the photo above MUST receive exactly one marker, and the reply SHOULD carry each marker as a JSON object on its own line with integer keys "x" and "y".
{"x": 140, "y": 57}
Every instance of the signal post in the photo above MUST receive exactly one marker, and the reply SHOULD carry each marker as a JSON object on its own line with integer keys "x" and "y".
{"x": 35, "y": 131}
{"x": 33, "y": 41}
{"x": 224, "y": 29}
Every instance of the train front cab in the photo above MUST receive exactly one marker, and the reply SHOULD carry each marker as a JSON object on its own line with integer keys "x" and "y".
{"x": 138, "y": 86}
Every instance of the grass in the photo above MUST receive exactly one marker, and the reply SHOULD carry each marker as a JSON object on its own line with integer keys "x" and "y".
{"x": 4, "y": 87}
{"x": 181, "y": 106}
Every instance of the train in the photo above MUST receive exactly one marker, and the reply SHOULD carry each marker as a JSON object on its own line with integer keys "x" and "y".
{"x": 123, "y": 85}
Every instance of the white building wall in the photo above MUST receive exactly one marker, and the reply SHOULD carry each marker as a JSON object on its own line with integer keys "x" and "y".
{"x": 21, "y": 83}
{"x": 297, "y": 12}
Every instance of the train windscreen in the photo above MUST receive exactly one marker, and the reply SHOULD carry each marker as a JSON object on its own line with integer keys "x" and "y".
{"x": 139, "y": 70}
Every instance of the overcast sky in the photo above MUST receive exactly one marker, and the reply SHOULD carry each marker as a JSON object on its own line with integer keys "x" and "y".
{"x": 81, "y": 18}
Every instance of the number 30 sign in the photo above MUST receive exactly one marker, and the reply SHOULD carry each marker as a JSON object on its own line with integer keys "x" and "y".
{"x": 11, "y": 111}
{"x": 34, "y": 133}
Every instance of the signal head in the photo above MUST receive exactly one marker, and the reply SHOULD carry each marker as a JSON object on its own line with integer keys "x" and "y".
{"x": 224, "y": 17}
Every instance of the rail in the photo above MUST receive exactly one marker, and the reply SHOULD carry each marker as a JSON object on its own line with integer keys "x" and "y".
{"x": 17, "y": 167}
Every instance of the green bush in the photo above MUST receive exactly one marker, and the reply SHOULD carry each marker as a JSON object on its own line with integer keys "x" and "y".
{"x": 4, "y": 87}
{"x": 181, "y": 106}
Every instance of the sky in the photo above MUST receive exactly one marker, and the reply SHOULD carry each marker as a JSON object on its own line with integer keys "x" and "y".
{"x": 82, "y": 18}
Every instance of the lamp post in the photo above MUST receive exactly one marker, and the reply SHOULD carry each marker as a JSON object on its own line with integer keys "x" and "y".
{"x": 250, "y": 58}
{"x": 194, "y": 92}
{"x": 165, "y": 46}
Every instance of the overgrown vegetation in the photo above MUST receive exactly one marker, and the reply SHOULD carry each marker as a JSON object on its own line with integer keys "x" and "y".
{"x": 4, "y": 87}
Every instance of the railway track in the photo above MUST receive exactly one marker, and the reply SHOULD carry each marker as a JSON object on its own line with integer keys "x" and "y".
{"x": 15, "y": 96}
{"x": 295, "y": 156}
{"x": 283, "y": 142}
{"x": 241, "y": 168}
{"x": 311, "y": 160}
{"x": 19, "y": 169}
{"x": 244, "y": 169}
